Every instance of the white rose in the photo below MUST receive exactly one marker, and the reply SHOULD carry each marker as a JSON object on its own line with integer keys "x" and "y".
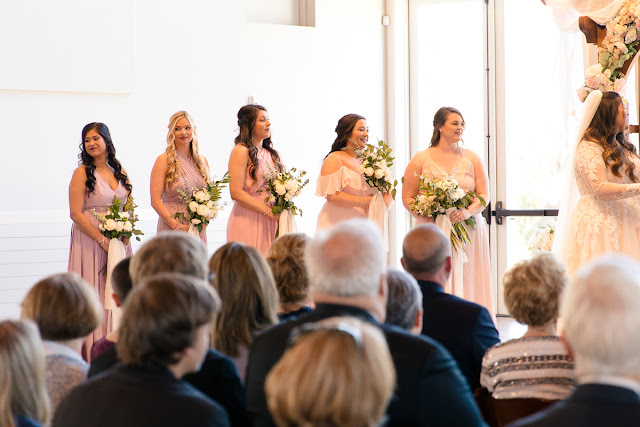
{"x": 119, "y": 225}
{"x": 290, "y": 185}
{"x": 209, "y": 204}
{"x": 288, "y": 196}
{"x": 272, "y": 199}
{"x": 361, "y": 169}
{"x": 460, "y": 193}
{"x": 622, "y": 47}
{"x": 110, "y": 225}
{"x": 195, "y": 221}
{"x": 203, "y": 210}
{"x": 368, "y": 171}
{"x": 101, "y": 226}
{"x": 631, "y": 36}
{"x": 201, "y": 196}
{"x": 193, "y": 206}
{"x": 124, "y": 215}
{"x": 379, "y": 173}
{"x": 380, "y": 164}
{"x": 127, "y": 226}
{"x": 594, "y": 70}
{"x": 280, "y": 189}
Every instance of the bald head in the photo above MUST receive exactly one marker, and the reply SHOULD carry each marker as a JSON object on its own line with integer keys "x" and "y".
{"x": 425, "y": 250}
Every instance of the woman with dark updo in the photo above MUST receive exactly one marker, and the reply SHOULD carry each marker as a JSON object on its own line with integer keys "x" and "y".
{"x": 345, "y": 188}
{"x": 251, "y": 221}
{"x": 94, "y": 184}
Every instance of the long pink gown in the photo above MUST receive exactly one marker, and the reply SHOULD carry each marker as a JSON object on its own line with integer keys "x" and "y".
{"x": 476, "y": 271}
{"x": 188, "y": 180}
{"x": 346, "y": 181}
{"x": 247, "y": 226}
{"x": 87, "y": 258}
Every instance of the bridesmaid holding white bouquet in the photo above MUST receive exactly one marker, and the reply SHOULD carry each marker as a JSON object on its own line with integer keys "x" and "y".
{"x": 445, "y": 158}
{"x": 93, "y": 186}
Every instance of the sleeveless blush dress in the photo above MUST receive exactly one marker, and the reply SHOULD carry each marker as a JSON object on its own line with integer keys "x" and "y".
{"x": 247, "y": 226}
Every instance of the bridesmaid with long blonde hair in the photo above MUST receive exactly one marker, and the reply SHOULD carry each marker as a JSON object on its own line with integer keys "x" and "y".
{"x": 180, "y": 167}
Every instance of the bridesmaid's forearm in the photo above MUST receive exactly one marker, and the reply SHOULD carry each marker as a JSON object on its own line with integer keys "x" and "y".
{"x": 246, "y": 201}
{"x": 346, "y": 200}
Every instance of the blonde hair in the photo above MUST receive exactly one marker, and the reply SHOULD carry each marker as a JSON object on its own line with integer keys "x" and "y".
{"x": 172, "y": 156}
{"x": 22, "y": 373}
{"x": 332, "y": 377}
{"x": 63, "y": 306}
{"x": 286, "y": 259}
{"x": 248, "y": 293}
{"x": 532, "y": 289}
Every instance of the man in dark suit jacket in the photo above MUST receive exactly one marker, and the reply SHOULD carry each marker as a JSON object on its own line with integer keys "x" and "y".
{"x": 462, "y": 327}
{"x": 346, "y": 272}
{"x": 164, "y": 335}
{"x": 601, "y": 318}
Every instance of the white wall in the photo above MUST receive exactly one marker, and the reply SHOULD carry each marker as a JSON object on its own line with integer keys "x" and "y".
{"x": 198, "y": 55}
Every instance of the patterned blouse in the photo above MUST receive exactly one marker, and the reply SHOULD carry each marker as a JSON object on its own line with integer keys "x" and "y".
{"x": 531, "y": 367}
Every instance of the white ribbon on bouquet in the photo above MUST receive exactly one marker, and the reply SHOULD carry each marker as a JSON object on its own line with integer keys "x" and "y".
{"x": 193, "y": 231}
{"x": 378, "y": 214}
{"x": 116, "y": 254}
{"x": 286, "y": 223}
{"x": 458, "y": 258}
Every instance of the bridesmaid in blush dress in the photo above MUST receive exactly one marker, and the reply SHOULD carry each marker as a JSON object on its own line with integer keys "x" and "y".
{"x": 251, "y": 221}
{"x": 444, "y": 157}
{"x": 180, "y": 167}
{"x": 95, "y": 182}
{"x": 345, "y": 188}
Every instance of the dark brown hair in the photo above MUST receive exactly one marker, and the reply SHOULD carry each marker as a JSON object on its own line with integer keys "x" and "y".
{"x": 439, "y": 119}
{"x": 343, "y": 129}
{"x": 603, "y": 130}
{"x": 87, "y": 160}
{"x": 247, "y": 116}
{"x": 161, "y": 318}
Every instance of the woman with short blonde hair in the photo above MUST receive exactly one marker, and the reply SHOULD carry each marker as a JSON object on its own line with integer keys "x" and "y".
{"x": 23, "y": 395}
{"x": 537, "y": 364}
{"x": 338, "y": 372}
{"x": 66, "y": 310}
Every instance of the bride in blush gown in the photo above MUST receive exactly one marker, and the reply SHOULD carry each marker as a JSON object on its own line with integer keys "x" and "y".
{"x": 606, "y": 172}
{"x": 470, "y": 280}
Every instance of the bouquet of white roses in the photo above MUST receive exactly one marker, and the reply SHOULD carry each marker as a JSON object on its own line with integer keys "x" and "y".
{"x": 282, "y": 188}
{"x": 544, "y": 239}
{"x": 440, "y": 196}
{"x": 118, "y": 220}
{"x": 202, "y": 204}
{"x": 374, "y": 166}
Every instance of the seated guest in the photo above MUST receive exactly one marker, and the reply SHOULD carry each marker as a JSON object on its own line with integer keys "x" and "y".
{"x": 249, "y": 300}
{"x": 164, "y": 334}
{"x": 463, "y": 327}
{"x": 286, "y": 259}
{"x": 23, "y": 395}
{"x": 404, "y": 304}
{"x": 346, "y": 266}
{"x": 66, "y": 310}
{"x": 600, "y": 311}
{"x": 121, "y": 283}
{"x": 329, "y": 363}
{"x": 537, "y": 364}
{"x": 181, "y": 253}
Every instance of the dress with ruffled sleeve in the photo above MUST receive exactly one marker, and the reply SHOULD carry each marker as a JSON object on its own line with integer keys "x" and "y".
{"x": 347, "y": 181}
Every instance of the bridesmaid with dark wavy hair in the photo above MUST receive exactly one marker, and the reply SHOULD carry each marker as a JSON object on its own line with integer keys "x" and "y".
{"x": 251, "y": 221}
{"x": 95, "y": 182}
